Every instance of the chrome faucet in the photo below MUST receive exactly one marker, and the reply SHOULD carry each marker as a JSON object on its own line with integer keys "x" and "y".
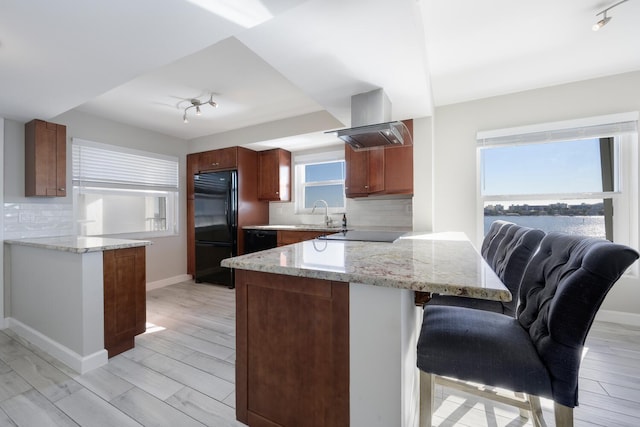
{"x": 327, "y": 220}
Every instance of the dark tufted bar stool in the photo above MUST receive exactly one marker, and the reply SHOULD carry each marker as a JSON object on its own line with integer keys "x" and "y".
{"x": 538, "y": 352}
{"x": 510, "y": 256}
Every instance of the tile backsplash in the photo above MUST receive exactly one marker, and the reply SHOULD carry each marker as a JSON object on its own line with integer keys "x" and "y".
{"x": 364, "y": 212}
{"x": 27, "y": 220}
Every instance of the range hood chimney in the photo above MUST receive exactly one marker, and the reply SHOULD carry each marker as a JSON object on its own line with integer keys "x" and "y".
{"x": 371, "y": 123}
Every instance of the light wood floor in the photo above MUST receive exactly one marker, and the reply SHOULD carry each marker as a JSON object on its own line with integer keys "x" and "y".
{"x": 181, "y": 373}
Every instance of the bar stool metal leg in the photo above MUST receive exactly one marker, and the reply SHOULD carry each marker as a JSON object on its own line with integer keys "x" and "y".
{"x": 427, "y": 391}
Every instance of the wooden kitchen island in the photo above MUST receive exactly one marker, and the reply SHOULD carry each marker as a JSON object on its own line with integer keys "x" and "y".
{"x": 81, "y": 299}
{"x": 327, "y": 330}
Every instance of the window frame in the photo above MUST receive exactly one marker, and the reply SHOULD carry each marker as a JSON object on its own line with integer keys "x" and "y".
{"x": 302, "y": 160}
{"x": 626, "y": 161}
{"x": 163, "y": 188}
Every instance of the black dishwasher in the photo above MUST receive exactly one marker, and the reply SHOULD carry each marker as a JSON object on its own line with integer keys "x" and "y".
{"x": 259, "y": 240}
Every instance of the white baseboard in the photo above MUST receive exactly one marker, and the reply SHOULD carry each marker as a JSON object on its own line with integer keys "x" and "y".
{"x": 168, "y": 281}
{"x": 621, "y": 317}
{"x": 65, "y": 355}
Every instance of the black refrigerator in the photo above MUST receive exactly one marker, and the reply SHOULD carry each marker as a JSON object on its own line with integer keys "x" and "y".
{"x": 216, "y": 224}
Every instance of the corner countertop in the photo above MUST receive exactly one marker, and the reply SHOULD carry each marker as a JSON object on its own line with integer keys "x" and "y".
{"x": 79, "y": 244}
{"x": 445, "y": 263}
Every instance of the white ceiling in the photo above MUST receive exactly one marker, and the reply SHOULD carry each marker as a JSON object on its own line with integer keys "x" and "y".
{"x": 139, "y": 62}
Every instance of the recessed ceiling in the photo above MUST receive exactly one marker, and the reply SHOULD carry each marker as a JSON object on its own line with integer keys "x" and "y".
{"x": 265, "y": 60}
{"x": 248, "y": 91}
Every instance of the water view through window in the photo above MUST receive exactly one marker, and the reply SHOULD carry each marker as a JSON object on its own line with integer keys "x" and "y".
{"x": 580, "y": 217}
{"x": 553, "y": 186}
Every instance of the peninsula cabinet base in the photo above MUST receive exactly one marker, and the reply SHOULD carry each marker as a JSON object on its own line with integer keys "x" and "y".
{"x": 292, "y": 362}
{"x": 125, "y": 310}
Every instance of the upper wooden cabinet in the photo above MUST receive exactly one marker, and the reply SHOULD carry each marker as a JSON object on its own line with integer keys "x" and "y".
{"x": 45, "y": 159}
{"x": 225, "y": 158}
{"x": 380, "y": 171}
{"x": 364, "y": 171}
{"x": 398, "y": 171}
{"x": 274, "y": 175}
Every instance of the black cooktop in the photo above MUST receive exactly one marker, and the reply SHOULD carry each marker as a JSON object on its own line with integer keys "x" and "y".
{"x": 365, "y": 236}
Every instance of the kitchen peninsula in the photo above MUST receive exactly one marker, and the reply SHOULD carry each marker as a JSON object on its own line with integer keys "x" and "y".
{"x": 81, "y": 299}
{"x": 326, "y": 329}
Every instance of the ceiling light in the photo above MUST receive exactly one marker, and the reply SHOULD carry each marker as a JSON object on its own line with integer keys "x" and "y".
{"x": 197, "y": 104}
{"x": 601, "y": 23}
{"x": 605, "y": 19}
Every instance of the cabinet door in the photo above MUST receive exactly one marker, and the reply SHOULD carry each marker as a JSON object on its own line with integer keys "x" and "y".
{"x": 398, "y": 171}
{"x": 292, "y": 346}
{"x": 45, "y": 159}
{"x": 398, "y": 166}
{"x": 364, "y": 171}
{"x": 274, "y": 180}
{"x": 376, "y": 170}
{"x": 225, "y": 158}
{"x": 124, "y": 298}
{"x": 356, "y": 182}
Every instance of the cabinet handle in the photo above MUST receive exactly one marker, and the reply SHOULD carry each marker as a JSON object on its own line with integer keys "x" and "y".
{"x": 215, "y": 164}
{"x": 366, "y": 186}
{"x": 277, "y": 193}
{"x": 61, "y": 189}
{"x": 346, "y": 188}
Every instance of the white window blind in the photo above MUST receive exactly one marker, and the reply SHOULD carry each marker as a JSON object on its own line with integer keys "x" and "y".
{"x": 595, "y": 127}
{"x": 96, "y": 164}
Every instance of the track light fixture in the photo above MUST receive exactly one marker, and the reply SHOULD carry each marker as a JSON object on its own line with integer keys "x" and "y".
{"x": 601, "y": 23}
{"x": 197, "y": 104}
{"x": 605, "y": 19}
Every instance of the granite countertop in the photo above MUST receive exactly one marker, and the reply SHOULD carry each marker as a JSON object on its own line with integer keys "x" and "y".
{"x": 79, "y": 244}
{"x": 445, "y": 263}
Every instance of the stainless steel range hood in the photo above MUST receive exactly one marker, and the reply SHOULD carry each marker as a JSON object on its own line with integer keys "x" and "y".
{"x": 372, "y": 125}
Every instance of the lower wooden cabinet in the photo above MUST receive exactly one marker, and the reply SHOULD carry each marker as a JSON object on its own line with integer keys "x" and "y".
{"x": 125, "y": 309}
{"x": 287, "y": 237}
{"x": 292, "y": 344}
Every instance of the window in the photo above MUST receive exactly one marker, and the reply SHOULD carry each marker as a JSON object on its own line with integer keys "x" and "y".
{"x": 119, "y": 191}
{"x": 578, "y": 177}
{"x": 320, "y": 177}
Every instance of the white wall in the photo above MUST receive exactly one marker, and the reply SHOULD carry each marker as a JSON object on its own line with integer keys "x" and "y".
{"x": 422, "y": 174}
{"x": 166, "y": 257}
{"x": 455, "y": 203}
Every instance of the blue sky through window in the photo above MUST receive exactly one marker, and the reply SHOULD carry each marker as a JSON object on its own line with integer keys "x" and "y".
{"x": 324, "y": 171}
{"x": 547, "y": 168}
{"x": 324, "y": 181}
